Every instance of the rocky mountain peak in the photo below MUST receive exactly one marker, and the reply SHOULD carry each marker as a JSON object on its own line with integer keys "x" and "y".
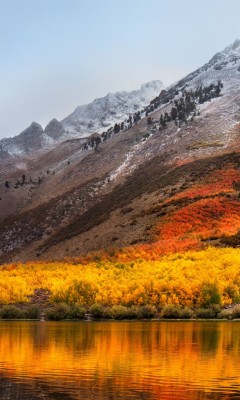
{"x": 33, "y": 130}
{"x": 54, "y": 129}
{"x": 229, "y": 54}
{"x": 236, "y": 44}
{"x": 113, "y": 108}
{"x": 32, "y": 138}
{"x": 97, "y": 116}
{"x": 155, "y": 85}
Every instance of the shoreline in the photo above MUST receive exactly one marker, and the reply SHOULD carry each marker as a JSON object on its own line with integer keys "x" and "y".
{"x": 125, "y": 320}
{"x": 97, "y": 312}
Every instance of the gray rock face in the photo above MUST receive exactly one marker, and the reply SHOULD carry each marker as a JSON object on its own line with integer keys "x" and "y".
{"x": 29, "y": 140}
{"x": 54, "y": 129}
{"x": 30, "y": 136}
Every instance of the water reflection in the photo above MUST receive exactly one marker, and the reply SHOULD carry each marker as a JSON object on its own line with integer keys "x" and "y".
{"x": 120, "y": 360}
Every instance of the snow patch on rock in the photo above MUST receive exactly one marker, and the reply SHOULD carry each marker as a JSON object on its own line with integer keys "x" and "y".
{"x": 104, "y": 112}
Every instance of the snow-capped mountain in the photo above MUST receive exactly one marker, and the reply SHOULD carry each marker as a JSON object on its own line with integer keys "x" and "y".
{"x": 119, "y": 188}
{"x": 102, "y": 113}
{"x": 224, "y": 65}
{"x": 97, "y": 116}
{"x": 223, "y": 69}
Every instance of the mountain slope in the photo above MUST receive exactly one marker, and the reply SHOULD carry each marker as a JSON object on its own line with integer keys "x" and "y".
{"x": 139, "y": 187}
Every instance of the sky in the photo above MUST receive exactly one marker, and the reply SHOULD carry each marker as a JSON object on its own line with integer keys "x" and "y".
{"x": 58, "y": 54}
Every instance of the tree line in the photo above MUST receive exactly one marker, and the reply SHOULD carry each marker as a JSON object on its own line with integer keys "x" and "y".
{"x": 184, "y": 105}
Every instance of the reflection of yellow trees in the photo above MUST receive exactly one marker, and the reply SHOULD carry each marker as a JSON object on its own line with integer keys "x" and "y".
{"x": 177, "y": 279}
{"x": 151, "y": 356}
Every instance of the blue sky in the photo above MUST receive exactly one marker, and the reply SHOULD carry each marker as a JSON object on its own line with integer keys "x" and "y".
{"x": 58, "y": 54}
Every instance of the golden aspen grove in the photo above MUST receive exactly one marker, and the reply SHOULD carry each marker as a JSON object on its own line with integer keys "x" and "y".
{"x": 180, "y": 278}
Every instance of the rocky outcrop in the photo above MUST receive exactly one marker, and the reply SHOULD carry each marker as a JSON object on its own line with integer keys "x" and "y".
{"x": 29, "y": 140}
{"x": 54, "y": 129}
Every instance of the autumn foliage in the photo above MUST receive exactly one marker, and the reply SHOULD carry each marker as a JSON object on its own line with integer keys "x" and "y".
{"x": 194, "y": 279}
{"x": 179, "y": 267}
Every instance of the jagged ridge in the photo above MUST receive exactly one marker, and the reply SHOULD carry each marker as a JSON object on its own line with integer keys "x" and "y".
{"x": 82, "y": 122}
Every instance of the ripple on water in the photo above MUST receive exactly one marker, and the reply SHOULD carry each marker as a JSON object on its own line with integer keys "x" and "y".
{"x": 120, "y": 361}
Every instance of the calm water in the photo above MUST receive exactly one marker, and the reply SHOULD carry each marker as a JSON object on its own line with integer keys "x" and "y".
{"x": 120, "y": 360}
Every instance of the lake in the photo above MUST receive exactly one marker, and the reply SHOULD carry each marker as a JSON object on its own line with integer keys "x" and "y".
{"x": 192, "y": 360}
